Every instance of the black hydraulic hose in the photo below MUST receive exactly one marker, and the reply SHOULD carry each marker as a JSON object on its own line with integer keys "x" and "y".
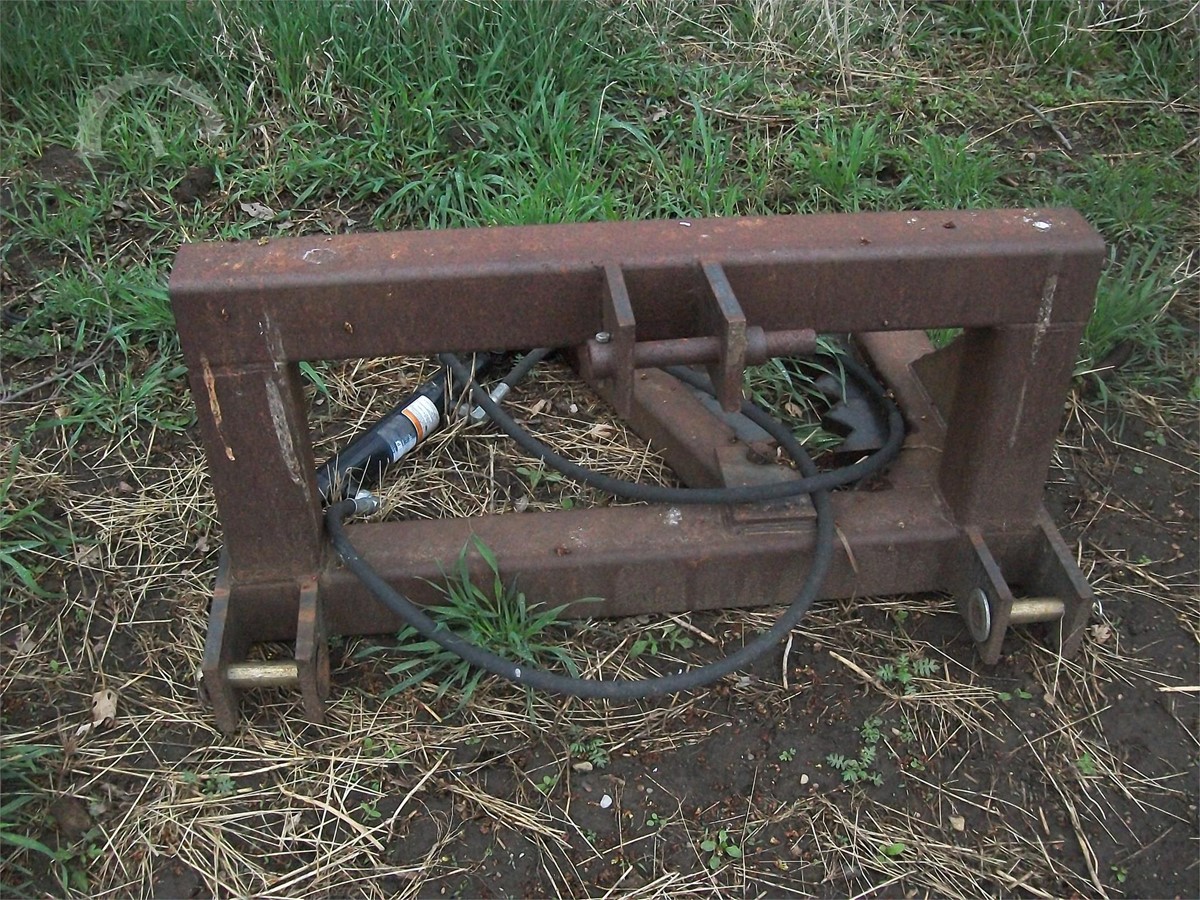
{"x": 614, "y": 689}
{"x": 811, "y": 482}
{"x": 525, "y": 366}
{"x": 509, "y": 381}
{"x": 626, "y": 689}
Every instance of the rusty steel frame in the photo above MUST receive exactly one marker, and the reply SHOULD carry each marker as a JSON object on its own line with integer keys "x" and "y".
{"x": 959, "y": 510}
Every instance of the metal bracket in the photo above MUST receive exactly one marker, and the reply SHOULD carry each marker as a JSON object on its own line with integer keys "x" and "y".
{"x": 613, "y": 356}
{"x": 227, "y": 672}
{"x": 1053, "y": 590}
{"x": 959, "y": 510}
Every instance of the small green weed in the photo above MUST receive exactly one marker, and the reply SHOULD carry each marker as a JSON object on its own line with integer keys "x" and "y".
{"x": 314, "y": 376}
{"x": 539, "y": 475}
{"x": 666, "y": 638}
{"x": 499, "y": 619}
{"x": 857, "y": 769}
{"x": 591, "y": 749}
{"x": 870, "y": 730}
{"x": 787, "y": 755}
{"x": 721, "y": 848}
{"x": 215, "y": 784}
{"x": 1086, "y": 764}
{"x": 370, "y": 811}
{"x": 388, "y": 749}
{"x": 940, "y": 337}
{"x": 904, "y": 670}
{"x": 1020, "y": 694}
{"x": 547, "y": 784}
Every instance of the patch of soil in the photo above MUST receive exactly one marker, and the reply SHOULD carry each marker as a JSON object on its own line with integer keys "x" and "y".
{"x": 61, "y": 165}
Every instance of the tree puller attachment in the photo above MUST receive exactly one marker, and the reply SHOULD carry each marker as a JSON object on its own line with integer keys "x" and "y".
{"x": 957, "y": 441}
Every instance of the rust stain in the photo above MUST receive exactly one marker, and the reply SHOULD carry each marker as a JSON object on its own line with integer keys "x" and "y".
{"x": 210, "y": 388}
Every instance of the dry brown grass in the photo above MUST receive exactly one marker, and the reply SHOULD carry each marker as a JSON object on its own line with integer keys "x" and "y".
{"x": 285, "y": 809}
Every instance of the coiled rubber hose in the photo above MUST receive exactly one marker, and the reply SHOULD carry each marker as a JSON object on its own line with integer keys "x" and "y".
{"x": 813, "y": 482}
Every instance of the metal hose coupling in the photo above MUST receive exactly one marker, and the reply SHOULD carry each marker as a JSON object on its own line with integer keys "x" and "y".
{"x": 365, "y": 503}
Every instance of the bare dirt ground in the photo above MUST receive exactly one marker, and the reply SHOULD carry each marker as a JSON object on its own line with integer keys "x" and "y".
{"x": 876, "y": 757}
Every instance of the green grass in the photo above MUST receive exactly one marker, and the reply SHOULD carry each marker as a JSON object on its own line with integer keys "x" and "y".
{"x": 1133, "y": 303}
{"x": 786, "y": 387}
{"x": 496, "y": 617}
{"x": 410, "y": 115}
{"x": 21, "y": 771}
{"x": 33, "y": 539}
{"x": 109, "y": 333}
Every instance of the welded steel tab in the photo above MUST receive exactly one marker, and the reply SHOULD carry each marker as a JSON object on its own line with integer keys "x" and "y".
{"x": 312, "y": 652}
{"x": 226, "y": 642}
{"x": 619, "y": 337}
{"x": 723, "y": 316}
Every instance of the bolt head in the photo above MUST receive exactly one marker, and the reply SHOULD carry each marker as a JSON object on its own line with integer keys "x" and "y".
{"x": 603, "y": 337}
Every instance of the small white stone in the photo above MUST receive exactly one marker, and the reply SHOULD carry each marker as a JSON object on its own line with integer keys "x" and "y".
{"x": 605, "y": 802}
{"x": 804, "y": 779}
{"x": 958, "y": 823}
